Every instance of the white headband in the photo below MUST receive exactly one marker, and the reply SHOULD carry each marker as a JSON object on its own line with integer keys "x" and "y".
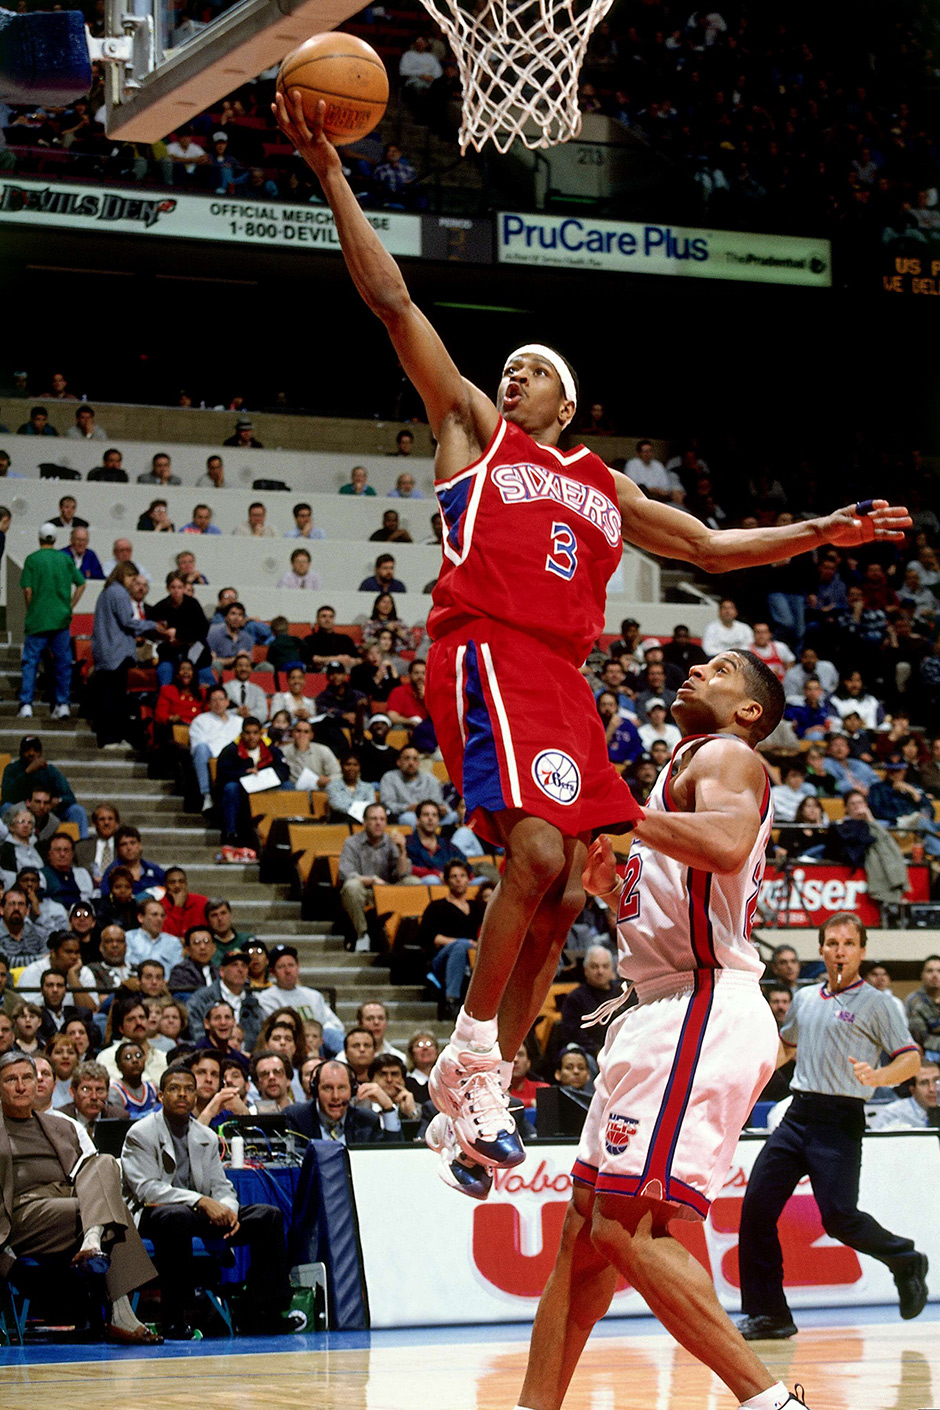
{"x": 552, "y": 358}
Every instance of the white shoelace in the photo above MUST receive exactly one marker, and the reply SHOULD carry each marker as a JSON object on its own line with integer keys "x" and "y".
{"x": 487, "y": 1104}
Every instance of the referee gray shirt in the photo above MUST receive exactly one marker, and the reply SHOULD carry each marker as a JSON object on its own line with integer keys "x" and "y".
{"x": 860, "y": 1022}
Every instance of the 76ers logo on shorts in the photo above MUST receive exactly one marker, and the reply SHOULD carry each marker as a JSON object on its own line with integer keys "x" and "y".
{"x": 557, "y": 775}
{"x": 618, "y": 1133}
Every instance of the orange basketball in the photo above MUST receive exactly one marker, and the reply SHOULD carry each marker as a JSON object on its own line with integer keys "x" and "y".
{"x": 347, "y": 74}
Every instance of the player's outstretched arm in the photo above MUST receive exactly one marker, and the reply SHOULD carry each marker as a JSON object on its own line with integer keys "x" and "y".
{"x": 669, "y": 532}
{"x": 720, "y": 834}
{"x": 379, "y": 281}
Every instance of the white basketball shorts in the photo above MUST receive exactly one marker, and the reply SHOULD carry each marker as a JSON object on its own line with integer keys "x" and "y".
{"x": 677, "y": 1078}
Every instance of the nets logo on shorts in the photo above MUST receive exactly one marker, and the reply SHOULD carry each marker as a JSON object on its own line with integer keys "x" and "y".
{"x": 557, "y": 775}
{"x": 618, "y": 1133}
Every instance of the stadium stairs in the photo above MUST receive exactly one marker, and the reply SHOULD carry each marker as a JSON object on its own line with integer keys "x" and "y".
{"x": 174, "y": 837}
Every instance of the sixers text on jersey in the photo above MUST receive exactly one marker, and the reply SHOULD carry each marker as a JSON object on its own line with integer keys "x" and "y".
{"x": 517, "y": 483}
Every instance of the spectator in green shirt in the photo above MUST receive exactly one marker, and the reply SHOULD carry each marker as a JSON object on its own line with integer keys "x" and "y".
{"x": 51, "y": 585}
{"x": 23, "y": 776}
{"x": 357, "y": 482}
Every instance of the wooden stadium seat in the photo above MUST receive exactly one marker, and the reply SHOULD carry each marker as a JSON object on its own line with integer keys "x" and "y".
{"x": 834, "y": 808}
{"x": 439, "y": 770}
{"x": 181, "y": 736}
{"x": 550, "y": 1013}
{"x": 278, "y": 803}
{"x": 483, "y": 858}
{"x": 393, "y": 903}
{"x": 71, "y": 828}
{"x": 311, "y": 840}
{"x": 439, "y": 892}
{"x": 4, "y": 760}
{"x": 401, "y": 900}
{"x": 213, "y": 770}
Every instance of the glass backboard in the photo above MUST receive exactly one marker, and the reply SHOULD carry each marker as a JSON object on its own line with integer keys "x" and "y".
{"x": 188, "y": 54}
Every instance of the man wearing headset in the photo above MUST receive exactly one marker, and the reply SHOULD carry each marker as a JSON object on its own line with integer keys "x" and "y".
{"x": 330, "y": 1116}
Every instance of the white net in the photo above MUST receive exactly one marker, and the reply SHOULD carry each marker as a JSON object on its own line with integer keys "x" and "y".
{"x": 519, "y": 63}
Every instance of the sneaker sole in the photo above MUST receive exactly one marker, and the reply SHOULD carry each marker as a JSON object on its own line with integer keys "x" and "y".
{"x": 435, "y": 1138}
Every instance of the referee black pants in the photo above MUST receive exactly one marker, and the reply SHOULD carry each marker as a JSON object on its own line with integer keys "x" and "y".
{"x": 820, "y": 1137}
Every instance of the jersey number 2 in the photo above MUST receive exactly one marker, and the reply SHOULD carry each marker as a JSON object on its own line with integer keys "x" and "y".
{"x": 629, "y": 896}
{"x": 563, "y": 558}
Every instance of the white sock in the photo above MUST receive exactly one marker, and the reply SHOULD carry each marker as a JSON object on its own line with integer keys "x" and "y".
{"x": 505, "y": 1074}
{"x": 92, "y": 1239}
{"x": 479, "y": 1035}
{"x": 771, "y": 1399}
{"x": 122, "y": 1314}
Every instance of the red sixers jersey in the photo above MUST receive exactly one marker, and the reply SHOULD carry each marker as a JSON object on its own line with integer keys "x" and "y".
{"x": 531, "y": 536}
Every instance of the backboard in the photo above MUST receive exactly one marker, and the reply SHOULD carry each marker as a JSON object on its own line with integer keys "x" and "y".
{"x": 178, "y": 64}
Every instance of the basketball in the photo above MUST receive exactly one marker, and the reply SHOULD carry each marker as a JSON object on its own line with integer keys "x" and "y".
{"x": 347, "y": 74}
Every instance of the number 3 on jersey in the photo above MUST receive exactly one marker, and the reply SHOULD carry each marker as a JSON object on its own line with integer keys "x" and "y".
{"x": 563, "y": 558}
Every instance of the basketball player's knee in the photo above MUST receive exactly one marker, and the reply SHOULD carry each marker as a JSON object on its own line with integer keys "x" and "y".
{"x": 609, "y": 1239}
{"x": 577, "y": 1244}
{"x": 540, "y": 863}
{"x": 575, "y": 1227}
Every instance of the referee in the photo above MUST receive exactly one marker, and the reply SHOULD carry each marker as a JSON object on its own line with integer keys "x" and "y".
{"x": 842, "y": 1027}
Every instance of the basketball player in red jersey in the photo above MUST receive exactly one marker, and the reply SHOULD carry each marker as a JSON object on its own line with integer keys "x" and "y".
{"x": 531, "y": 536}
{"x": 678, "y": 1073}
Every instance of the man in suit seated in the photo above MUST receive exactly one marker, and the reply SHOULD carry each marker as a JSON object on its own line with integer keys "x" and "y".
{"x": 53, "y": 1202}
{"x": 173, "y": 1169}
{"x": 96, "y": 851}
{"x": 89, "y": 1086}
{"x": 329, "y": 1115}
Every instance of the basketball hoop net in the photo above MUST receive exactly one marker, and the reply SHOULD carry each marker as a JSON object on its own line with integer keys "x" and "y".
{"x": 519, "y": 63}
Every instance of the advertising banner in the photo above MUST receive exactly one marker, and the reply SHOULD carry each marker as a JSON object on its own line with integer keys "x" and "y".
{"x": 810, "y": 894}
{"x": 224, "y": 219}
{"x": 912, "y": 266}
{"x": 579, "y": 242}
{"x": 454, "y": 1260}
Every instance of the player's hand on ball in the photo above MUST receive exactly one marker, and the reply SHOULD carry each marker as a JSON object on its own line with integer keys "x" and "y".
{"x": 319, "y": 154}
{"x": 869, "y": 520}
{"x": 600, "y": 870}
{"x": 865, "y": 1073}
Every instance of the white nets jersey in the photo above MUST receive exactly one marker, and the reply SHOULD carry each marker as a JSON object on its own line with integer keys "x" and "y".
{"x": 675, "y": 918}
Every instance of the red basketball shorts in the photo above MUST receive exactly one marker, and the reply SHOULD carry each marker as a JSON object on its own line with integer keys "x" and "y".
{"x": 518, "y": 727}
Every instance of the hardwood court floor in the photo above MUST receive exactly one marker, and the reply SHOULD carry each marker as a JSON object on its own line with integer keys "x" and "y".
{"x": 867, "y": 1366}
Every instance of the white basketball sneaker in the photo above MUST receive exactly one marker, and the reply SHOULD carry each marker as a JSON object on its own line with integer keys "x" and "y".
{"x": 465, "y": 1085}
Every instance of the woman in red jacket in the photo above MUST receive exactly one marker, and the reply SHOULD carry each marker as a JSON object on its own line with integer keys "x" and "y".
{"x": 182, "y": 700}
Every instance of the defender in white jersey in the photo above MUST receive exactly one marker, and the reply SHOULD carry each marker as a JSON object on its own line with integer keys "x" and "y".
{"x": 678, "y": 1073}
